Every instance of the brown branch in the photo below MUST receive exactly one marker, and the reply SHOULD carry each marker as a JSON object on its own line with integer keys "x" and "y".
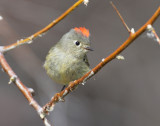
{"x": 29, "y": 39}
{"x": 59, "y": 96}
{"x": 120, "y": 17}
{"x": 152, "y": 32}
{"x": 14, "y": 78}
{"x": 25, "y": 91}
{"x": 156, "y": 36}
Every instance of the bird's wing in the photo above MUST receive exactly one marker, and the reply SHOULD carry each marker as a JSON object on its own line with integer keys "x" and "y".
{"x": 86, "y": 60}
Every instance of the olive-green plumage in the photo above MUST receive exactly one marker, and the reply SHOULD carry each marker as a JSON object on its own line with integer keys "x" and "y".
{"x": 67, "y": 60}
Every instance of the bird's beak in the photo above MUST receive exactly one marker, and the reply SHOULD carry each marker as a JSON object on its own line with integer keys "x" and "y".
{"x": 89, "y": 48}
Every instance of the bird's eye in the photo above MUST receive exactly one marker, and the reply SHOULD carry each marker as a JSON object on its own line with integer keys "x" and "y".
{"x": 77, "y": 43}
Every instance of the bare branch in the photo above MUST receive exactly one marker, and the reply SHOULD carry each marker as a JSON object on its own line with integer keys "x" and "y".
{"x": 27, "y": 92}
{"x": 30, "y": 39}
{"x": 59, "y": 96}
{"x": 152, "y": 33}
{"x": 14, "y": 78}
{"x": 124, "y": 23}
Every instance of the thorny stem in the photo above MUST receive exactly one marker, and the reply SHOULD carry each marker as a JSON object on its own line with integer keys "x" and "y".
{"x": 56, "y": 98}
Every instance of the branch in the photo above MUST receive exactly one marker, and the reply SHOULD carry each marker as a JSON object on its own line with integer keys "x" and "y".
{"x": 30, "y": 39}
{"x": 60, "y": 96}
{"x": 14, "y": 78}
{"x": 152, "y": 33}
{"x": 120, "y": 17}
{"x": 25, "y": 91}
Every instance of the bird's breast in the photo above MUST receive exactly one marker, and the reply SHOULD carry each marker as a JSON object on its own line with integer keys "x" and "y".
{"x": 64, "y": 68}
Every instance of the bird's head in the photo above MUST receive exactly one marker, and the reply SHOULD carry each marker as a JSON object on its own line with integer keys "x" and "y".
{"x": 76, "y": 41}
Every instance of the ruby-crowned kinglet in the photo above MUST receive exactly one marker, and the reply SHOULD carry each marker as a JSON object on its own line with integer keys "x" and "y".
{"x": 67, "y": 60}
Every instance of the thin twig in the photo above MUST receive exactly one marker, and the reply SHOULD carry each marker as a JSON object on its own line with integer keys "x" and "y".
{"x": 152, "y": 33}
{"x": 124, "y": 23}
{"x": 29, "y": 39}
{"x": 156, "y": 36}
{"x": 59, "y": 96}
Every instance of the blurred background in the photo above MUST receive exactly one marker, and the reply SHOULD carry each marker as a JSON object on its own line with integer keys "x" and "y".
{"x": 124, "y": 93}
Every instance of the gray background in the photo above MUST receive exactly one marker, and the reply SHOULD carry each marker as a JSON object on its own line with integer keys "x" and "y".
{"x": 123, "y": 93}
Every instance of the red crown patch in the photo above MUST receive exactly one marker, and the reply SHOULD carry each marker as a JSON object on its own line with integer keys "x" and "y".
{"x": 83, "y": 30}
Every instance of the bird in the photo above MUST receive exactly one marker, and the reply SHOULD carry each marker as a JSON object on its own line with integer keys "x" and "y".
{"x": 67, "y": 59}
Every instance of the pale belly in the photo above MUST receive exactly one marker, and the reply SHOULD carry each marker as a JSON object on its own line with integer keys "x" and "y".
{"x": 65, "y": 72}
